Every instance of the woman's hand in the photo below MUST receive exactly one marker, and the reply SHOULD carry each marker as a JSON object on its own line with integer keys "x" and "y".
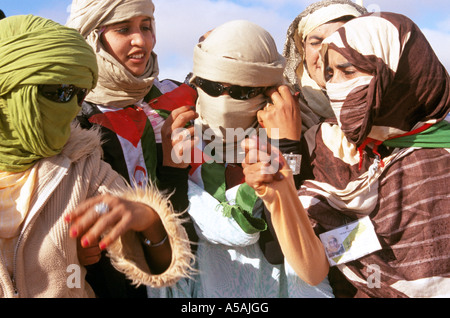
{"x": 262, "y": 163}
{"x": 89, "y": 255}
{"x": 283, "y": 114}
{"x": 99, "y": 227}
{"x": 93, "y": 227}
{"x": 177, "y": 140}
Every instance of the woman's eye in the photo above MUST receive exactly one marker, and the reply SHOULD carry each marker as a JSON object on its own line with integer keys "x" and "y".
{"x": 328, "y": 74}
{"x": 349, "y": 72}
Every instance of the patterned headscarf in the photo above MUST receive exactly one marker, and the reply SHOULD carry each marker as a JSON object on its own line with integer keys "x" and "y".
{"x": 409, "y": 87}
{"x": 407, "y": 92}
{"x": 403, "y": 189}
{"x": 317, "y": 105}
{"x": 117, "y": 87}
{"x": 36, "y": 51}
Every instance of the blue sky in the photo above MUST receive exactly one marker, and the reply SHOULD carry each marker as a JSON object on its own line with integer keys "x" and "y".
{"x": 179, "y": 23}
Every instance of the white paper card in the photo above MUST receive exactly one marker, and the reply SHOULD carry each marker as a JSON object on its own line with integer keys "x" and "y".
{"x": 350, "y": 242}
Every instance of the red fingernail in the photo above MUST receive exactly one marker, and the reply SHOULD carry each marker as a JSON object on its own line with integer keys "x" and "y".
{"x": 73, "y": 233}
{"x": 84, "y": 243}
{"x": 103, "y": 246}
{"x": 67, "y": 218}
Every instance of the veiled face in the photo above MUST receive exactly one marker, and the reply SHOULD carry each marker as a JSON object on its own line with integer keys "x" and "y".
{"x": 313, "y": 43}
{"x": 338, "y": 69}
{"x": 348, "y": 89}
{"x": 131, "y": 43}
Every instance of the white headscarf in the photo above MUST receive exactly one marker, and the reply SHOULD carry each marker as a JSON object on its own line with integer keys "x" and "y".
{"x": 237, "y": 53}
{"x": 116, "y": 86}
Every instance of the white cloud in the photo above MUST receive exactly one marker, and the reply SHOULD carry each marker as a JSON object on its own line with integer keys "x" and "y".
{"x": 440, "y": 43}
{"x": 58, "y": 12}
{"x": 444, "y": 25}
{"x": 180, "y": 23}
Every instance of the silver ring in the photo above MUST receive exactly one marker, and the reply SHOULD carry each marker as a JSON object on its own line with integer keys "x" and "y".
{"x": 101, "y": 208}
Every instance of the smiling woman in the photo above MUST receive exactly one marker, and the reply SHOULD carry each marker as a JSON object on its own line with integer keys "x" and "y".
{"x": 130, "y": 42}
{"x": 127, "y": 106}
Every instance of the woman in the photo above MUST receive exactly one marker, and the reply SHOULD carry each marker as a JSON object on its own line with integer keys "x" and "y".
{"x": 387, "y": 159}
{"x": 54, "y": 185}
{"x": 122, "y": 33}
{"x": 237, "y": 256}
{"x": 303, "y": 69}
{"x": 131, "y": 106}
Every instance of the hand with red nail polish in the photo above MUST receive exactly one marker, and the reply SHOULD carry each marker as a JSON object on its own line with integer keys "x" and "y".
{"x": 88, "y": 255}
{"x": 96, "y": 231}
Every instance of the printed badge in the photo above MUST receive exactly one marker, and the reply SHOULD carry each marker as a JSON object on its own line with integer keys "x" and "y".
{"x": 350, "y": 242}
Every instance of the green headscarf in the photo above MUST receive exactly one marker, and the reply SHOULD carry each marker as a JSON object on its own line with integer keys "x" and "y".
{"x": 36, "y": 51}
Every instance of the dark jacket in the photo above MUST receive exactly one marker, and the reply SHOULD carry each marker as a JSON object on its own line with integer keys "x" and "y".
{"x": 104, "y": 279}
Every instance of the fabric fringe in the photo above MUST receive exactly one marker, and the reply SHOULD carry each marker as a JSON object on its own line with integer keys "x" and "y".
{"x": 183, "y": 259}
{"x": 87, "y": 143}
{"x": 82, "y": 143}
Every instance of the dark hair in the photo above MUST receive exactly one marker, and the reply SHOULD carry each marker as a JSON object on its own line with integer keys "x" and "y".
{"x": 342, "y": 19}
{"x": 2, "y": 15}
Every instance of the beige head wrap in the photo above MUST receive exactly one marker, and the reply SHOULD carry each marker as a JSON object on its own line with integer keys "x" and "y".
{"x": 241, "y": 53}
{"x": 314, "y": 16}
{"x": 116, "y": 87}
{"x": 237, "y": 53}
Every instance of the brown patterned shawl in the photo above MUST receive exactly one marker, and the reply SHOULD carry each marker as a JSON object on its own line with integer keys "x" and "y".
{"x": 407, "y": 198}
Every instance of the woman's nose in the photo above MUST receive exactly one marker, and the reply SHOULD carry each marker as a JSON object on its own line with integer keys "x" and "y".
{"x": 138, "y": 39}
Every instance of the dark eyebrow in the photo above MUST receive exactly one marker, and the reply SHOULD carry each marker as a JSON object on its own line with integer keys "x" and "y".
{"x": 344, "y": 66}
{"x": 314, "y": 37}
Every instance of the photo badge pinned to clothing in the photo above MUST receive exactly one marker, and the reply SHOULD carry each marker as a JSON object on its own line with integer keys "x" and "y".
{"x": 294, "y": 162}
{"x": 350, "y": 242}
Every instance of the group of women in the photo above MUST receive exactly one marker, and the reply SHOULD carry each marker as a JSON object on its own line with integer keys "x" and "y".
{"x": 89, "y": 169}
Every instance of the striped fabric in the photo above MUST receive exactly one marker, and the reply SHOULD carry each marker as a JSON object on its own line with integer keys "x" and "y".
{"x": 404, "y": 189}
{"x": 408, "y": 204}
